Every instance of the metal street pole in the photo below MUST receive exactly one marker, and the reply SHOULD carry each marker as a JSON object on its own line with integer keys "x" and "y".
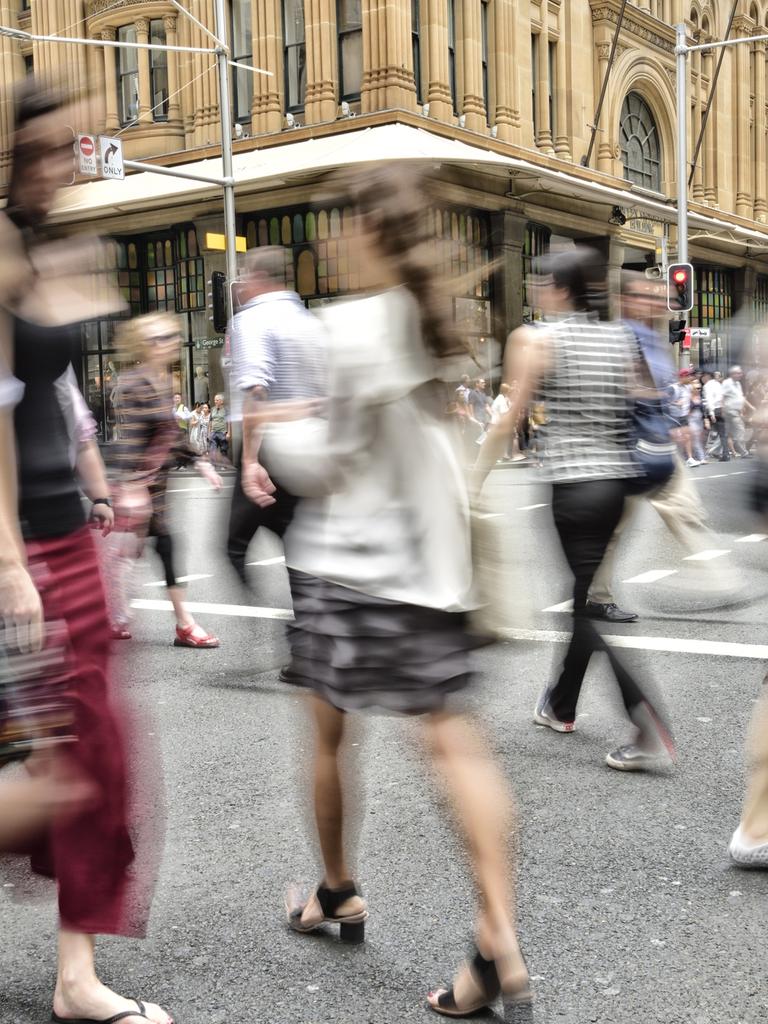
{"x": 225, "y": 108}
{"x": 682, "y": 162}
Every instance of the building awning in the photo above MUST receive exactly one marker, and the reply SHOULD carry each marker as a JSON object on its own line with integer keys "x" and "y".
{"x": 286, "y": 164}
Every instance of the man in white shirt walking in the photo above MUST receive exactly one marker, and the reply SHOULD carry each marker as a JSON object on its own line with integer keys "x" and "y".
{"x": 734, "y": 404}
{"x": 713, "y": 409}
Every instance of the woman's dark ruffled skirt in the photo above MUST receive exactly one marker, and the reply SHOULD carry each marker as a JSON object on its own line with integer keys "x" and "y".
{"x": 361, "y": 652}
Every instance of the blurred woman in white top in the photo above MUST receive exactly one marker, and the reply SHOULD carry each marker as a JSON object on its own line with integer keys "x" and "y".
{"x": 381, "y": 574}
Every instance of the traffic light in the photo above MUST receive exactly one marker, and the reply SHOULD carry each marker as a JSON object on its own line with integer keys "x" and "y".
{"x": 217, "y": 301}
{"x": 676, "y": 331}
{"x": 680, "y": 287}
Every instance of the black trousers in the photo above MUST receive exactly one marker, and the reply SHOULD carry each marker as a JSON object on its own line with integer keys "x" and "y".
{"x": 245, "y": 518}
{"x": 586, "y": 513}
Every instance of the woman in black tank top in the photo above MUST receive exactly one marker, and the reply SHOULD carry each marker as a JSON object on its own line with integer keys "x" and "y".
{"x": 88, "y": 850}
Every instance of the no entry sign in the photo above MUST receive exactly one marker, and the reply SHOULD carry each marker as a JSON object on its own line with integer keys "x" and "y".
{"x": 86, "y": 155}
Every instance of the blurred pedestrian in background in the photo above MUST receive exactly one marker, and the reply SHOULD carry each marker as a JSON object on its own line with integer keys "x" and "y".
{"x": 380, "y": 607}
{"x": 735, "y": 405}
{"x": 585, "y": 370}
{"x": 83, "y": 839}
{"x": 219, "y": 432}
{"x": 146, "y": 452}
{"x": 278, "y": 355}
{"x": 199, "y": 429}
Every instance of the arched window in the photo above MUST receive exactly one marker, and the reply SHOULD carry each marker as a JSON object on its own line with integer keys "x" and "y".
{"x": 640, "y": 145}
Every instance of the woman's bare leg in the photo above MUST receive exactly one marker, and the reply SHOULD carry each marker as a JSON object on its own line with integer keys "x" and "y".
{"x": 484, "y": 809}
{"x": 80, "y": 994}
{"x": 328, "y": 791}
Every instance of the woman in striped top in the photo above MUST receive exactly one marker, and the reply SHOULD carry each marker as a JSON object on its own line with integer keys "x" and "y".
{"x": 585, "y": 371}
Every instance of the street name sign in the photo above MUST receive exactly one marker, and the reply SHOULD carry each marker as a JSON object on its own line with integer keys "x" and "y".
{"x": 111, "y": 157}
{"x": 86, "y": 154}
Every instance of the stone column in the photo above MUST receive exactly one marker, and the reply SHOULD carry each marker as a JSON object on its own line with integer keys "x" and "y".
{"x": 11, "y": 70}
{"x": 698, "y": 100}
{"x": 473, "y": 105}
{"x": 112, "y": 118}
{"x": 172, "y": 39}
{"x": 761, "y": 166}
{"x": 741, "y": 27}
{"x": 438, "y": 89}
{"x": 507, "y": 242}
{"x": 562, "y": 94}
{"x": 544, "y": 133}
{"x": 504, "y": 69}
{"x": 268, "y": 54}
{"x": 605, "y": 139}
{"x": 97, "y": 86}
{"x": 708, "y": 145}
{"x": 322, "y": 72}
{"x": 145, "y": 81}
{"x": 388, "y": 81}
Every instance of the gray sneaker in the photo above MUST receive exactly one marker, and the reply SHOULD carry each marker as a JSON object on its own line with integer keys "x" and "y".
{"x": 631, "y": 758}
{"x": 747, "y": 854}
{"x": 544, "y": 715}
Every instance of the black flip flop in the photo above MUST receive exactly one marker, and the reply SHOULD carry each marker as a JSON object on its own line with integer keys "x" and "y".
{"x": 125, "y": 1015}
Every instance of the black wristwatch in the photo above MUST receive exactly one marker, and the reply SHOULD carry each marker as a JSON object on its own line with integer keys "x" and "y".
{"x": 102, "y": 501}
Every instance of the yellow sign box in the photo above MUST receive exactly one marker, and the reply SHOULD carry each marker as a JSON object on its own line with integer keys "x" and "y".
{"x": 218, "y": 243}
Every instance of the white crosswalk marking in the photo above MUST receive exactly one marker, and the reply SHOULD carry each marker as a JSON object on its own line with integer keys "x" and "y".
{"x": 268, "y": 561}
{"x": 565, "y": 606}
{"x": 528, "y": 508}
{"x": 707, "y": 556}
{"x": 669, "y": 644}
{"x": 651, "y": 576}
{"x": 183, "y": 579}
{"x": 244, "y": 611}
{"x": 752, "y": 538}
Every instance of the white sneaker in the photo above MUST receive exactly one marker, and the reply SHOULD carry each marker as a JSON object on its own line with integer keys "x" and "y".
{"x": 692, "y": 462}
{"x": 746, "y": 853}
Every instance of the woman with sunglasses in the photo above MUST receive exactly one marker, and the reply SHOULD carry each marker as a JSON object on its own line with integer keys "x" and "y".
{"x": 149, "y": 448}
{"x": 83, "y": 833}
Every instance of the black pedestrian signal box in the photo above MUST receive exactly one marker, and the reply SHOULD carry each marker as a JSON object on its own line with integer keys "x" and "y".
{"x": 680, "y": 287}
{"x": 217, "y": 301}
{"x": 677, "y": 332}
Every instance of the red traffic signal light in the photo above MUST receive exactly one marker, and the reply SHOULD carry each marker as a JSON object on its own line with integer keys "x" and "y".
{"x": 680, "y": 288}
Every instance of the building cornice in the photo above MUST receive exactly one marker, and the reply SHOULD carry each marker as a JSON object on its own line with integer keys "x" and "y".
{"x": 639, "y": 24}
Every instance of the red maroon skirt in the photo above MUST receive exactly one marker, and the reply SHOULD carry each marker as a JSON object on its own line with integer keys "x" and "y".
{"x": 88, "y": 853}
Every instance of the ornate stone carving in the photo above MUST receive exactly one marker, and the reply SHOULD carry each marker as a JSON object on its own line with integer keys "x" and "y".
{"x": 142, "y": 26}
{"x": 109, "y": 34}
{"x": 632, "y": 26}
{"x": 169, "y": 22}
{"x": 96, "y": 7}
{"x": 603, "y": 51}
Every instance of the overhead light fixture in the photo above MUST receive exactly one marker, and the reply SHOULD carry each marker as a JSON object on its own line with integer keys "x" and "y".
{"x": 618, "y": 216}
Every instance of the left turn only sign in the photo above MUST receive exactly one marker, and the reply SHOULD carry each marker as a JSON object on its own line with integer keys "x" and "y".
{"x": 86, "y": 154}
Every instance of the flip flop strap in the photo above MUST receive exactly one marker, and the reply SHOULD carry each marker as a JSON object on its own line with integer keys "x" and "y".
{"x": 331, "y": 899}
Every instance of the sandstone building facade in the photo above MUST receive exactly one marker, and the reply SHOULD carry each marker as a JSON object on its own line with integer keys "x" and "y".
{"x": 500, "y": 95}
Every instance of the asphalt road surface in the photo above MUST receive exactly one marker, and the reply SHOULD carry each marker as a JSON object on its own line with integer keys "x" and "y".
{"x": 629, "y": 909}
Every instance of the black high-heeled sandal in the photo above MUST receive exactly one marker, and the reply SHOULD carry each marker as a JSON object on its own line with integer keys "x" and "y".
{"x": 322, "y": 906}
{"x": 485, "y": 975}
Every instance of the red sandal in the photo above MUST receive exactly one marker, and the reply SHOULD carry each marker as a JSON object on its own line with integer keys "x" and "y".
{"x": 185, "y": 638}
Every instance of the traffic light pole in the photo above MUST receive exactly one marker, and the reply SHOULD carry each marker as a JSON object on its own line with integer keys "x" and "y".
{"x": 225, "y": 108}
{"x": 682, "y": 163}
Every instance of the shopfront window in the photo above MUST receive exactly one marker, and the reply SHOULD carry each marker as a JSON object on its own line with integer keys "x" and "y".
{"x": 319, "y": 266}
{"x": 712, "y": 308}
{"x": 535, "y": 246}
{"x": 154, "y": 273}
